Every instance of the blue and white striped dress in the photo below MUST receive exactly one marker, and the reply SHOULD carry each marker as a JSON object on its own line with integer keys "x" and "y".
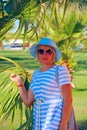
{"x": 47, "y": 110}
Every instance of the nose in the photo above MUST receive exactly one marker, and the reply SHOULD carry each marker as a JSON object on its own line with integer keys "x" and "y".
{"x": 44, "y": 54}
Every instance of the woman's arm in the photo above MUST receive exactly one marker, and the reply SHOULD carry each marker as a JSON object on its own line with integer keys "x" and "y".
{"x": 27, "y": 96}
{"x": 66, "y": 91}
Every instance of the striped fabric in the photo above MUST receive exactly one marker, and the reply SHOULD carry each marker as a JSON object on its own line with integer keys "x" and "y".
{"x": 48, "y": 104}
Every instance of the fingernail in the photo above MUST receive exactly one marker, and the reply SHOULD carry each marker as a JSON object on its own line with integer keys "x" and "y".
{"x": 13, "y": 76}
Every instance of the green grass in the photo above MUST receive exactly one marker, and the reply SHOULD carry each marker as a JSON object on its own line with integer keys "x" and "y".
{"x": 80, "y": 93}
{"x": 22, "y": 57}
{"x": 80, "y": 80}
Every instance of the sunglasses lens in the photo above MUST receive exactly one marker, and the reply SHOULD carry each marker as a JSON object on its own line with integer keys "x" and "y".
{"x": 40, "y": 51}
{"x": 49, "y": 51}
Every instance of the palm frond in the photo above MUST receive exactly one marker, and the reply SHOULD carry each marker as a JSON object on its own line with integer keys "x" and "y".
{"x": 10, "y": 99}
{"x": 29, "y": 12}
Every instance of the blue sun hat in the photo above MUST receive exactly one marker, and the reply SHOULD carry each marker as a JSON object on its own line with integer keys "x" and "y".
{"x": 48, "y": 42}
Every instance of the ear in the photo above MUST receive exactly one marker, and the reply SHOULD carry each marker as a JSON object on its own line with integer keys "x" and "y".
{"x": 37, "y": 57}
{"x": 54, "y": 57}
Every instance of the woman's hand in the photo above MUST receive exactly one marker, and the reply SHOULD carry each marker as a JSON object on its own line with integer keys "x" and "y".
{"x": 16, "y": 78}
{"x": 63, "y": 126}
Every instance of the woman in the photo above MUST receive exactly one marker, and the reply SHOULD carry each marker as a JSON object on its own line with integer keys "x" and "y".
{"x": 52, "y": 97}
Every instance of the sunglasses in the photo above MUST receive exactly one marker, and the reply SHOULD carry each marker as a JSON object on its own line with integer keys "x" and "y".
{"x": 41, "y": 51}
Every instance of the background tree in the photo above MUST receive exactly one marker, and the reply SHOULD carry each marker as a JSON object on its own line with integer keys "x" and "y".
{"x": 66, "y": 30}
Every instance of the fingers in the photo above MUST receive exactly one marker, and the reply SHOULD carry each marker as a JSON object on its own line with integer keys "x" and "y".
{"x": 16, "y": 78}
{"x": 13, "y": 75}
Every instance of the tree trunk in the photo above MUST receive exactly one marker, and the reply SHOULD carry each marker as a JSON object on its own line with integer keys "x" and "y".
{"x": 1, "y": 46}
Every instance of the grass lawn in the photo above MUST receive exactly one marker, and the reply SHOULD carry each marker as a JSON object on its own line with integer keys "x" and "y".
{"x": 80, "y": 93}
{"x": 80, "y": 80}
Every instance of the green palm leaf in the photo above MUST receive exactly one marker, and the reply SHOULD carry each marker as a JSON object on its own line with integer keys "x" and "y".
{"x": 10, "y": 99}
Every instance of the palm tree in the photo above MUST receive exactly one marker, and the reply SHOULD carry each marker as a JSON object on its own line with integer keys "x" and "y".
{"x": 66, "y": 30}
{"x": 29, "y": 14}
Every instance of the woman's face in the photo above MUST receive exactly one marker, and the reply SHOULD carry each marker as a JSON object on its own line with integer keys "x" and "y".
{"x": 46, "y": 55}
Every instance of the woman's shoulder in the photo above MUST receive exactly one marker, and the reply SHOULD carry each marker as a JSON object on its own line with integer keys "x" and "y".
{"x": 35, "y": 73}
{"x": 60, "y": 67}
{"x": 62, "y": 70}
